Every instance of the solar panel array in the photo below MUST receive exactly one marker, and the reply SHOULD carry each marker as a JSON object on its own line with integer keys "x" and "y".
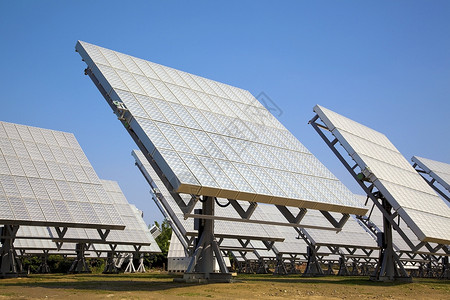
{"x": 135, "y": 232}
{"x": 33, "y": 238}
{"x": 222, "y": 228}
{"x": 439, "y": 171}
{"x": 46, "y": 179}
{"x": 415, "y": 201}
{"x": 214, "y": 139}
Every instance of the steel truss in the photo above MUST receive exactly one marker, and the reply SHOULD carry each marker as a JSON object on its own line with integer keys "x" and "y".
{"x": 389, "y": 266}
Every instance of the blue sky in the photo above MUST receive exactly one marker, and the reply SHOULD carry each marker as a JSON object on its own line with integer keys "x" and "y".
{"x": 385, "y": 64}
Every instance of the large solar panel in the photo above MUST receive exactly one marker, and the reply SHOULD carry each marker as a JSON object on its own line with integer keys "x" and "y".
{"x": 213, "y": 139}
{"x": 439, "y": 171}
{"x": 222, "y": 228}
{"x": 383, "y": 165}
{"x": 46, "y": 179}
{"x": 135, "y": 232}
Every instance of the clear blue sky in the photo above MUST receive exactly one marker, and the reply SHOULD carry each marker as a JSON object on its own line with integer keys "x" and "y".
{"x": 385, "y": 64}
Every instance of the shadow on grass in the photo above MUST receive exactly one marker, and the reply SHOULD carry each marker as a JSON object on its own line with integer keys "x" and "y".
{"x": 101, "y": 282}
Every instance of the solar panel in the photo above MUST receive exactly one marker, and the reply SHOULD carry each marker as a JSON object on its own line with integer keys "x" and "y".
{"x": 135, "y": 232}
{"x": 383, "y": 165}
{"x": 213, "y": 139}
{"x": 46, "y": 179}
{"x": 222, "y": 228}
{"x": 439, "y": 171}
{"x": 32, "y": 238}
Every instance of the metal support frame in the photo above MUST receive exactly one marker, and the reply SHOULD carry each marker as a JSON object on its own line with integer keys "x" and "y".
{"x": 141, "y": 267}
{"x": 343, "y": 270}
{"x": 130, "y": 266}
{"x": 110, "y": 265}
{"x": 80, "y": 265}
{"x": 43, "y": 267}
{"x": 313, "y": 267}
{"x": 10, "y": 264}
{"x": 389, "y": 267}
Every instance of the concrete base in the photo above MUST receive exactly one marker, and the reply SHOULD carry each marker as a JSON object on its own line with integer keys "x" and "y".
{"x": 205, "y": 278}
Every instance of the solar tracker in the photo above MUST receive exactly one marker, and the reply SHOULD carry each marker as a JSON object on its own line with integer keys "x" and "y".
{"x": 212, "y": 139}
{"x": 438, "y": 171}
{"x": 382, "y": 165}
{"x": 46, "y": 179}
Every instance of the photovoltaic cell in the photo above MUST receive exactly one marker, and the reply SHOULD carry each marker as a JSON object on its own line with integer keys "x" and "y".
{"x": 188, "y": 123}
{"x": 414, "y": 200}
{"x": 38, "y": 179}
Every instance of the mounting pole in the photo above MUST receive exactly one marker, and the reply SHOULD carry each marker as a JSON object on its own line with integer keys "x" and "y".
{"x": 80, "y": 265}
{"x": 10, "y": 265}
{"x": 201, "y": 266}
{"x": 389, "y": 267}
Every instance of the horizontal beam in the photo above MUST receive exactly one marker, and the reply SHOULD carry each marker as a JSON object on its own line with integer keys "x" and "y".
{"x": 261, "y": 222}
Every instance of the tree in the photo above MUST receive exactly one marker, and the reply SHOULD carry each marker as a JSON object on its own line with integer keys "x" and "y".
{"x": 163, "y": 241}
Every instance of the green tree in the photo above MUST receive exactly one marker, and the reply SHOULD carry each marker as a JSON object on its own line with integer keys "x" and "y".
{"x": 163, "y": 241}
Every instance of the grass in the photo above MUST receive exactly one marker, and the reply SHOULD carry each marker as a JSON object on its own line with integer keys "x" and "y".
{"x": 161, "y": 286}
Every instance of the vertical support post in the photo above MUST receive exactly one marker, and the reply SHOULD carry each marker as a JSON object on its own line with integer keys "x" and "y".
{"x": 43, "y": 267}
{"x": 343, "y": 270}
{"x": 141, "y": 267}
{"x": 313, "y": 267}
{"x": 389, "y": 267}
{"x": 10, "y": 264}
{"x": 201, "y": 266}
{"x": 80, "y": 265}
{"x": 110, "y": 266}
{"x": 206, "y": 262}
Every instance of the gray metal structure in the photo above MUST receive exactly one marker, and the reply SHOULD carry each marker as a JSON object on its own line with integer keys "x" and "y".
{"x": 393, "y": 186}
{"x": 435, "y": 173}
{"x": 211, "y": 140}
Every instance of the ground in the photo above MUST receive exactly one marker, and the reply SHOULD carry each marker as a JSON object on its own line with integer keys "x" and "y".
{"x": 158, "y": 285}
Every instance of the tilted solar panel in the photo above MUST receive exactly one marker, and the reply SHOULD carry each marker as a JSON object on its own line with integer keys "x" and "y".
{"x": 213, "y": 139}
{"x": 46, "y": 179}
{"x": 439, "y": 171}
{"x": 383, "y": 165}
